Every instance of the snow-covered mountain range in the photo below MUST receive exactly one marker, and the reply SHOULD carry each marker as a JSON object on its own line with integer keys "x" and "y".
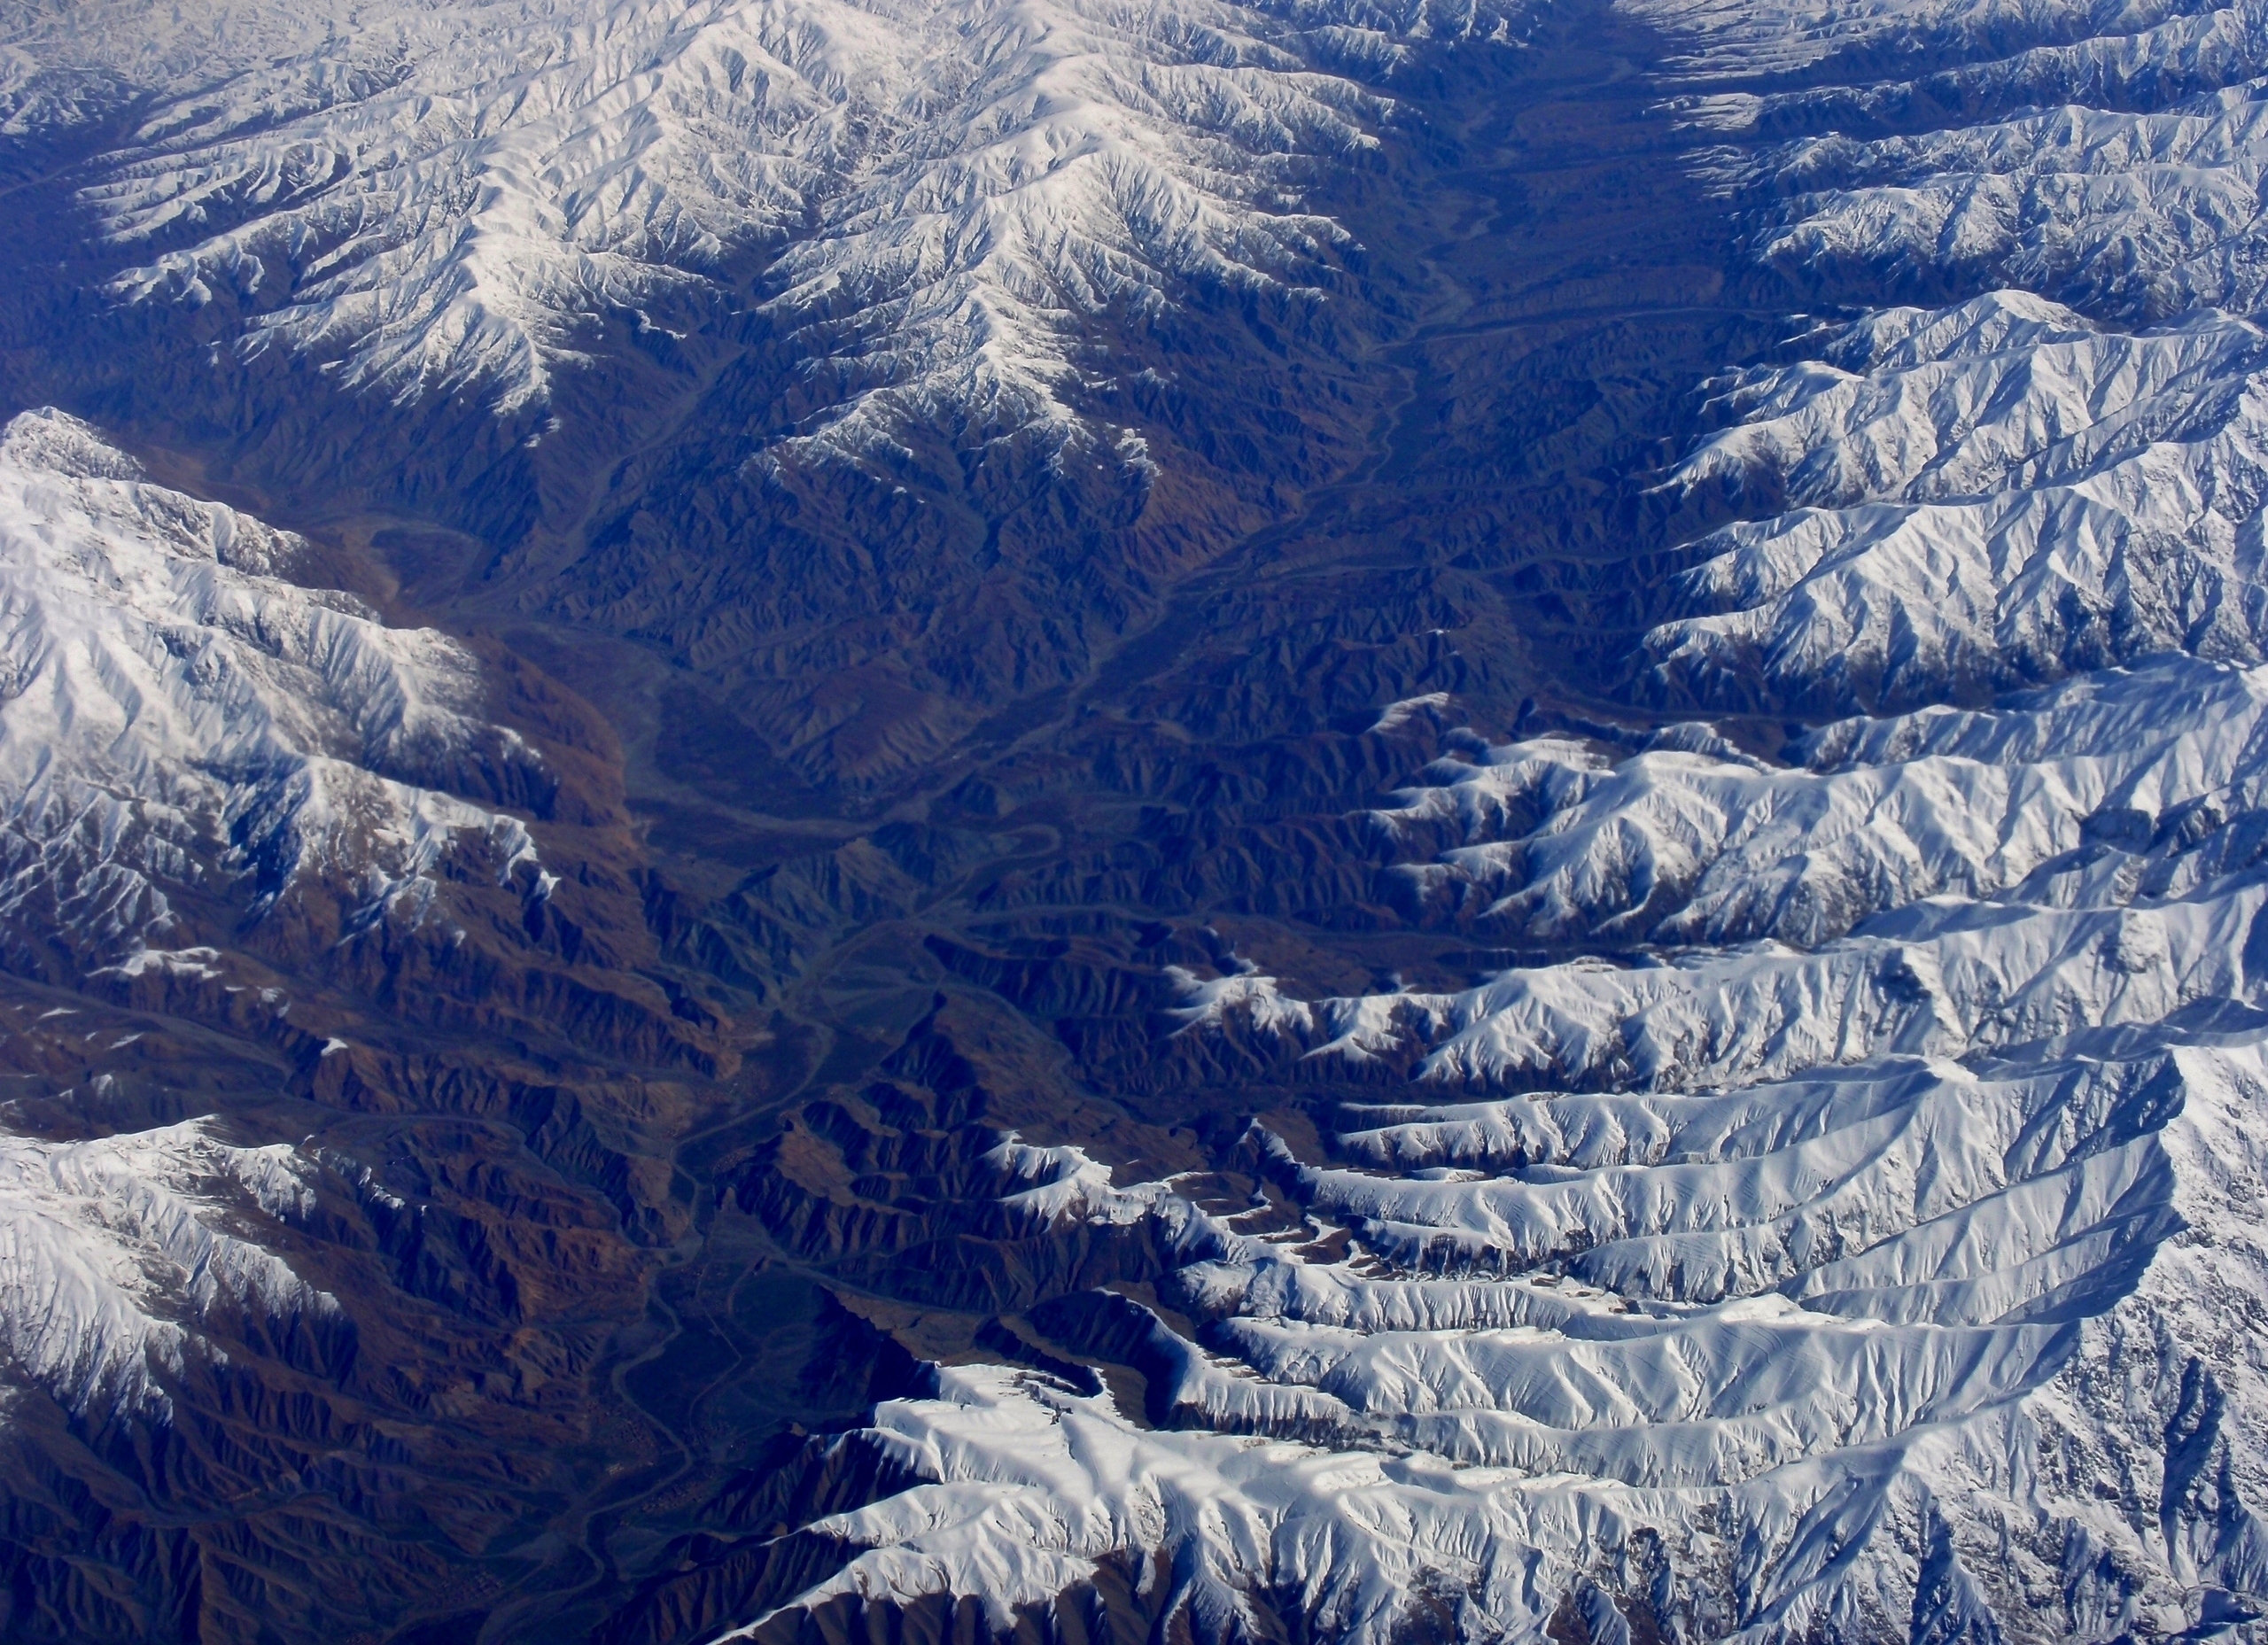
{"x": 179, "y": 715}
{"x": 439, "y": 199}
{"x": 1864, "y": 1240}
{"x": 1850, "y": 1228}
{"x": 114, "y": 1249}
{"x": 1880, "y": 1255}
{"x": 1986, "y": 495}
{"x": 189, "y": 742}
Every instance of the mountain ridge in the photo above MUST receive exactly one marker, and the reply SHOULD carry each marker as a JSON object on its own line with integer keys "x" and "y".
{"x": 1571, "y": 958}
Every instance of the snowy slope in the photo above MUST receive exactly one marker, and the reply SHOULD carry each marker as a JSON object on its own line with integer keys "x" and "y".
{"x": 1912, "y": 1352}
{"x": 1935, "y": 883}
{"x": 1894, "y": 1271}
{"x": 2060, "y": 473}
{"x": 1993, "y": 493}
{"x": 2125, "y": 773}
{"x": 2124, "y": 176}
{"x": 112, "y": 1251}
{"x": 440, "y": 197}
{"x": 176, "y": 713}
{"x": 1722, "y": 39}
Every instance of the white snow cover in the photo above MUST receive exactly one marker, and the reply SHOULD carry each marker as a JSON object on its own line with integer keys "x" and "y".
{"x": 1992, "y": 493}
{"x": 1901, "y": 1273}
{"x": 2128, "y": 194}
{"x": 1864, "y": 1238}
{"x": 1068, "y": 1182}
{"x": 1883, "y": 1258}
{"x": 171, "y": 709}
{"x": 112, "y": 1251}
{"x": 1891, "y": 1353}
{"x": 1721, "y": 39}
{"x": 446, "y": 192}
{"x": 2108, "y": 781}
{"x": 1998, "y": 494}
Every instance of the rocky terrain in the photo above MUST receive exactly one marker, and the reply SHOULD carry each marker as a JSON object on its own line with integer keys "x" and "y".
{"x": 1245, "y": 821}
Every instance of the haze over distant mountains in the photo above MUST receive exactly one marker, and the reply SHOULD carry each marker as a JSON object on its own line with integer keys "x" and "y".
{"x": 1222, "y": 820}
